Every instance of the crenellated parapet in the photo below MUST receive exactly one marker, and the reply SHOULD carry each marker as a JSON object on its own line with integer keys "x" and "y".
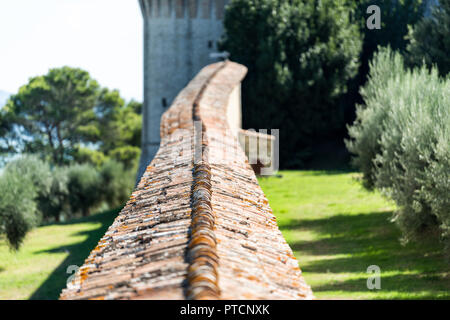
{"x": 181, "y": 9}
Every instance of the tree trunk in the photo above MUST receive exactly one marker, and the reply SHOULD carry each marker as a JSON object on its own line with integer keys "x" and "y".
{"x": 60, "y": 144}
{"x": 52, "y": 146}
{"x": 85, "y": 212}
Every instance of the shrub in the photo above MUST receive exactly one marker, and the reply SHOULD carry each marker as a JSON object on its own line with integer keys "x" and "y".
{"x": 31, "y": 192}
{"x": 54, "y": 204}
{"x": 116, "y": 183}
{"x": 430, "y": 39}
{"x": 300, "y": 55}
{"x": 17, "y": 208}
{"x": 366, "y": 131}
{"x": 413, "y": 166}
{"x": 84, "y": 186}
{"x": 401, "y": 141}
{"x": 33, "y": 170}
{"x": 21, "y": 182}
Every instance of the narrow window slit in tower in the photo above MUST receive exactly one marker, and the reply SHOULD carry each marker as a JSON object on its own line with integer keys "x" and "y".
{"x": 164, "y": 102}
{"x": 206, "y": 9}
{"x": 158, "y": 8}
{"x": 192, "y": 8}
{"x": 179, "y": 8}
{"x": 210, "y": 44}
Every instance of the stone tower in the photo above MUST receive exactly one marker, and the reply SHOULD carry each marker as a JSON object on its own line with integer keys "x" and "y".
{"x": 179, "y": 36}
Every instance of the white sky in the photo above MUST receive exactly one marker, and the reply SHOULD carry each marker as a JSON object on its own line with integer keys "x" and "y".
{"x": 103, "y": 37}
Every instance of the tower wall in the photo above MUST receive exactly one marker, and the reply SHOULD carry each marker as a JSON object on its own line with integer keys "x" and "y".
{"x": 179, "y": 35}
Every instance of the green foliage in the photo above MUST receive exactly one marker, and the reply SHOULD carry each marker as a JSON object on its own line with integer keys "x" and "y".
{"x": 6, "y": 135}
{"x": 17, "y": 208}
{"x": 54, "y": 204}
{"x": 84, "y": 186}
{"x": 127, "y": 155}
{"x": 66, "y": 117}
{"x": 22, "y": 181}
{"x": 300, "y": 55}
{"x": 89, "y": 156}
{"x": 52, "y": 113}
{"x": 119, "y": 127}
{"x": 367, "y": 129}
{"x": 33, "y": 170}
{"x": 116, "y": 183}
{"x": 116, "y": 132}
{"x": 396, "y": 16}
{"x": 88, "y": 187}
{"x": 430, "y": 39}
{"x": 401, "y": 142}
{"x": 31, "y": 193}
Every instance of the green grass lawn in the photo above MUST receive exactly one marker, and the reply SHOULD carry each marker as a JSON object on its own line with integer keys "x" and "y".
{"x": 39, "y": 269}
{"x": 337, "y": 229}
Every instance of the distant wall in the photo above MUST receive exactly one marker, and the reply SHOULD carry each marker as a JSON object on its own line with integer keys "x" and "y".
{"x": 261, "y": 151}
{"x": 234, "y": 110}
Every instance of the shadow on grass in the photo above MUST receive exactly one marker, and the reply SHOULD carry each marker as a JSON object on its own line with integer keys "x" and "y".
{"x": 406, "y": 284}
{"x": 78, "y": 252}
{"x": 350, "y": 243}
{"x": 329, "y": 154}
{"x": 313, "y": 173}
{"x": 318, "y": 173}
